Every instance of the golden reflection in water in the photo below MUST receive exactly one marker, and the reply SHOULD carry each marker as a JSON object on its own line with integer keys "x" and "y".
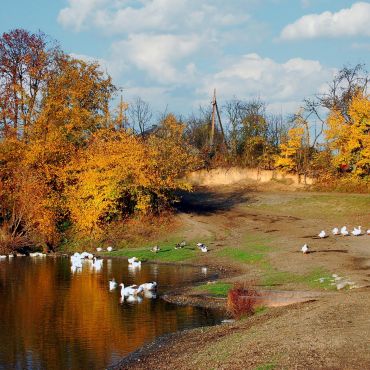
{"x": 55, "y": 319}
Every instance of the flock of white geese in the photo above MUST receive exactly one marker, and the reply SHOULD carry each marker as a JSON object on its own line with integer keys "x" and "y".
{"x": 12, "y": 255}
{"x": 357, "y": 231}
{"x": 132, "y": 293}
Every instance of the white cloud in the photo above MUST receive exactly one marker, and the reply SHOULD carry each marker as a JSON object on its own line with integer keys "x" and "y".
{"x": 143, "y": 15}
{"x": 160, "y": 56}
{"x": 176, "y": 51}
{"x": 353, "y": 21}
{"x": 165, "y": 39}
{"x": 282, "y": 85}
{"x": 75, "y": 15}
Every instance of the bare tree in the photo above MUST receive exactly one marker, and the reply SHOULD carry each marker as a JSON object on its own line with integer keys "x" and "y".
{"x": 277, "y": 129}
{"x": 346, "y": 84}
{"x": 140, "y": 114}
{"x": 198, "y": 127}
{"x": 233, "y": 110}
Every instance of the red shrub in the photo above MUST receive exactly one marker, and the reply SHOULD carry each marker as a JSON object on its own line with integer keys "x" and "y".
{"x": 241, "y": 301}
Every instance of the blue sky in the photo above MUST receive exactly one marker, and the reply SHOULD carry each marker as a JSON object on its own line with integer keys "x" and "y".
{"x": 174, "y": 52}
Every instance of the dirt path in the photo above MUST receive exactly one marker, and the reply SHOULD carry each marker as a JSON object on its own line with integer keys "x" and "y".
{"x": 332, "y": 332}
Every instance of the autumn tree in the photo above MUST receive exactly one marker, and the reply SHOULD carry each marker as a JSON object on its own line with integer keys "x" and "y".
{"x": 172, "y": 155}
{"x": 290, "y": 158}
{"x": 120, "y": 174}
{"x": 349, "y": 136}
{"x": 106, "y": 180}
{"x": 25, "y": 62}
{"x": 253, "y": 134}
{"x": 72, "y": 99}
{"x": 26, "y": 209}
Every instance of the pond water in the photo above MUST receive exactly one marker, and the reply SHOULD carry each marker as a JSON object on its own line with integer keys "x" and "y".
{"x": 54, "y": 318}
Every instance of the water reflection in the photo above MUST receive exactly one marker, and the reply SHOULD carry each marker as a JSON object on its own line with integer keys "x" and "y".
{"x": 133, "y": 270}
{"x": 56, "y": 318}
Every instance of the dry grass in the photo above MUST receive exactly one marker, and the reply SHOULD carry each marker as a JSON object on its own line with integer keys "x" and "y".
{"x": 136, "y": 232}
{"x": 139, "y": 230}
{"x": 346, "y": 184}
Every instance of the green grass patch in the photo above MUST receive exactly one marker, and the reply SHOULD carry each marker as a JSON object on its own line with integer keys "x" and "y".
{"x": 218, "y": 289}
{"x": 166, "y": 254}
{"x": 259, "y": 241}
{"x": 240, "y": 255}
{"x": 311, "y": 279}
{"x": 253, "y": 250}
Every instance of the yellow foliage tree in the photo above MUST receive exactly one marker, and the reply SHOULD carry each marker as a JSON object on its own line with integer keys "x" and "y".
{"x": 26, "y": 210}
{"x": 119, "y": 174}
{"x": 171, "y": 156}
{"x": 349, "y": 137}
{"x": 73, "y": 106}
{"x": 290, "y": 158}
{"x": 71, "y": 160}
{"x": 105, "y": 180}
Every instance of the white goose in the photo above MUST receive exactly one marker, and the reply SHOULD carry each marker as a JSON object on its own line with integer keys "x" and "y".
{"x": 112, "y": 284}
{"x": 155, "y": 249}
{"x": 76, "y": 262}
{"x": 149, "y": 286}
{"x": 368, "y": 232}
{"x": 2, "y": 257}
{"x": 35, "y": 254}
{"x": 344, "y": 231}
{"x": 180, "y": 245}
{"x": 322, "y": 234}
{"x": 335, "y": 231}
{"x": 97, "y": 263}
{"x": 88, "y": 255}
{"x": 132, "y": 260}
{"x": 356, "y": 231}
{"x": 204, "y": 249}
{"x": 305, "y": 249}
{"x": 130, "y": 290}
{"x": 109, "y": 249}
{"x": 99, "y": 249}
{"x": 135, "y": 264}
{"x": 76, "y": 256}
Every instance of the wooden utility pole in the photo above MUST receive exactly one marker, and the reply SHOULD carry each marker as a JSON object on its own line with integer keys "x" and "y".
{"x": 212, "y": 137}
{"x": 215, "y": 111}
